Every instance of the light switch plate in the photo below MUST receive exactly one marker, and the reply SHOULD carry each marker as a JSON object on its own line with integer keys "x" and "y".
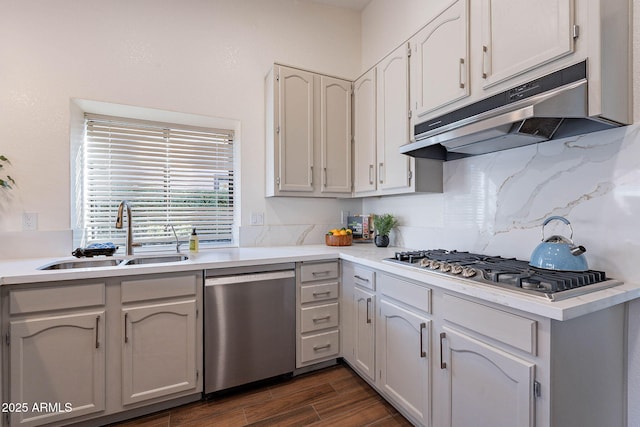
{"x": 257, "y": 218}
{"x": 29, "y": 221}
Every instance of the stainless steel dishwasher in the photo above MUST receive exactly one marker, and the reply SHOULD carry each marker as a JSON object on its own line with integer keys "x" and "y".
{"x": 249, "y": 324}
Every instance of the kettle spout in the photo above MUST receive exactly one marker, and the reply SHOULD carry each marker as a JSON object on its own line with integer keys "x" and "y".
{"x": 577, "y": 250}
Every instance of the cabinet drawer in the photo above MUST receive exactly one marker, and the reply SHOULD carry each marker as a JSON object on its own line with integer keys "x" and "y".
{"x": 409, "y": 293}
{"x": 320, "y": 346}
{"x": 161, "y": 287}
{"x": 56, "y": 298}
{"x": 323, "y": 292}
{"x": 319, "y": 317}
{"x": 516, "y": 331}
{"x": 364, "y": 277}
{"x": 318, "y": 271}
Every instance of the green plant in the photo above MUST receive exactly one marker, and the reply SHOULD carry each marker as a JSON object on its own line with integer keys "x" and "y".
{"x": 382, "y": 224}
{"x": 7, "y": 180}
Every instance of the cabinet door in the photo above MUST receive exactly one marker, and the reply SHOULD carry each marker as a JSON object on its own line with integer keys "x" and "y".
{"x": 57, "y": 360}
{"x": 364, "y": 331}
{"x": 364, "y": 133}
{"x": 394, "y": 169}
{"x": 296, "y": 133}
{"x": 440, "y": 60}
{"x": 403, "y": 343}
{"x": 486, "y": 386}
{"x": 518, "y": 35}
{"x": 335, "y": 134}
{"x": 159, "y": 350}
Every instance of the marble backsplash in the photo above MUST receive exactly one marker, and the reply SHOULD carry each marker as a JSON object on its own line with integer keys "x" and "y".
{"x": 496, "y": 203}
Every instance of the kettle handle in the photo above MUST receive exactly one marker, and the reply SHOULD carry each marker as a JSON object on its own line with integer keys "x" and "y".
{"x": 557, "y": 218}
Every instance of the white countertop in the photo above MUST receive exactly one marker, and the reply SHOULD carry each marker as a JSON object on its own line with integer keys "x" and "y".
{"x": 18, "y": 272}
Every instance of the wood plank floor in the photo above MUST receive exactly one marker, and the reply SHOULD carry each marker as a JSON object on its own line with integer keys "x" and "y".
{"x": 334, "y": 396}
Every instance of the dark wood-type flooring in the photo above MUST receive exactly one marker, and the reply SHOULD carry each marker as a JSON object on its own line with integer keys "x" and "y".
{"x": 334, "y": 396}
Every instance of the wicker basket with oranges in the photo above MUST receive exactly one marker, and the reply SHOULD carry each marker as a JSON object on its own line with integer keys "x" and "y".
{"x": 341, "y": 237}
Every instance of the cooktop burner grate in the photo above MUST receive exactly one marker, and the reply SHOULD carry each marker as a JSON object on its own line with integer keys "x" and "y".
{"x": 505, "y": 272}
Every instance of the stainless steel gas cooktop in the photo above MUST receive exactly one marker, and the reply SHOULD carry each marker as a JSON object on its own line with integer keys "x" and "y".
{"x": 508, "y": 273}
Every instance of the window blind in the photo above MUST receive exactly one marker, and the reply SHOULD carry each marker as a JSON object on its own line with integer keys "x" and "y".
{"x": 170, "y": 174}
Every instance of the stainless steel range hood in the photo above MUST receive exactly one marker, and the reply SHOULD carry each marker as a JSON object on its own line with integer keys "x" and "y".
{"x": 551, "y": 107}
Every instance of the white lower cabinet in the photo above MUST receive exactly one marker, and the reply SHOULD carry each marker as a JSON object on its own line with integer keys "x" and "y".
{"x": 158, "y": 352}
{"x": 318, "y": 312}
{"x": 446, "y": 359}
{"x": 364, "y": 303}
{"x": 57, "y": 357}
{"x": 78, "y": 350}
{"x": 403, "y": 357}
{"x": 57, "y": 367}
{"x": 159, "y": 343}
{"x": 486, "y": 383}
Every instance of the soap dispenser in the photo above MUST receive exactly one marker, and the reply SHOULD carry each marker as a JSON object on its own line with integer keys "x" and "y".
{"x": 193, "y": 241}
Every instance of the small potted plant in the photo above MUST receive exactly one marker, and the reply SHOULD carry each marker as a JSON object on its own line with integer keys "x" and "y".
{"x": 382, "y": 224}
{"x": 5, "y": 181}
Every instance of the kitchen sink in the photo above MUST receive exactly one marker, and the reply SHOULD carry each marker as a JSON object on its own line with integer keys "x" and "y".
{"x": 65, "y": 265}
{"x": 113, "y": 262}
{"x": 156, "y": 259}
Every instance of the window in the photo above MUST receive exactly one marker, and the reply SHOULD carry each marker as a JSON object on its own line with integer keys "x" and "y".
{"x": 170, "y": 174}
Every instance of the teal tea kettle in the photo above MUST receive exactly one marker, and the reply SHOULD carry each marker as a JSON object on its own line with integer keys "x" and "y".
{"x": 558, "y": 252}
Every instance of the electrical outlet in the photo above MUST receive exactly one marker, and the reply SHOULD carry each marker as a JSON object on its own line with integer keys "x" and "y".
{"x": 344, "y": 216}
{"x": 257, "y": 218}
{"x": 29, "y": 221}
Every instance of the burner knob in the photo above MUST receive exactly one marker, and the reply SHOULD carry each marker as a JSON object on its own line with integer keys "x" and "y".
{"x": 445, "y": 267}
{"x": 456, "y": 268}
{"x": 434, "y": 265}
{"x": 468, "y": 272}
{"x": 424, "y": 262}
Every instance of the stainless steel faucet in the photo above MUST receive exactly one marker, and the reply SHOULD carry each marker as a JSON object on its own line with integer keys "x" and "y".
{"x": 178, "y": 243}
{"x": 129, "y": 244}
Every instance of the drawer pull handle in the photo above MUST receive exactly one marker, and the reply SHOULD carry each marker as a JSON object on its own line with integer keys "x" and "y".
{"x": 422, "y": 328}
{"x": 321, "y": 347}
{"x": 321, "y": 273}
{"x": 321, "y": 319}
{"x": 126, "y": 337}
{"x": 443, "y": 365}
{"x": 317, "y": 294}
{"x": 368, "y": 315}
{"x": 364, "y": 279}
{"x": 97, "y": 331}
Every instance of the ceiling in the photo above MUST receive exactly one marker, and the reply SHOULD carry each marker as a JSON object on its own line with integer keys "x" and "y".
{"x": 349, "y": 4}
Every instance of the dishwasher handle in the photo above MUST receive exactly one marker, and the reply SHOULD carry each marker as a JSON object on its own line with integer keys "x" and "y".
{"x": 251, "y": 277}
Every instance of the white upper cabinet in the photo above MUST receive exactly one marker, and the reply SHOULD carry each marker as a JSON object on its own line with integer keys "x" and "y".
{"x": 518, "y": 36}
{"x": 335, "y": 117}
{"x": 364, "y": 133}
{"x": 513, "y": 42}
{"x": 308, "y": 132}
{"x": 394, "y": 169}
{"x": 294, "y": 129}
{"x": 440, "y": 60}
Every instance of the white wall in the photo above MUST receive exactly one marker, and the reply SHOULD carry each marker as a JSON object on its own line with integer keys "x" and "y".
{"x": 495, "y": 203}
{"x": 199, "y": 57}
